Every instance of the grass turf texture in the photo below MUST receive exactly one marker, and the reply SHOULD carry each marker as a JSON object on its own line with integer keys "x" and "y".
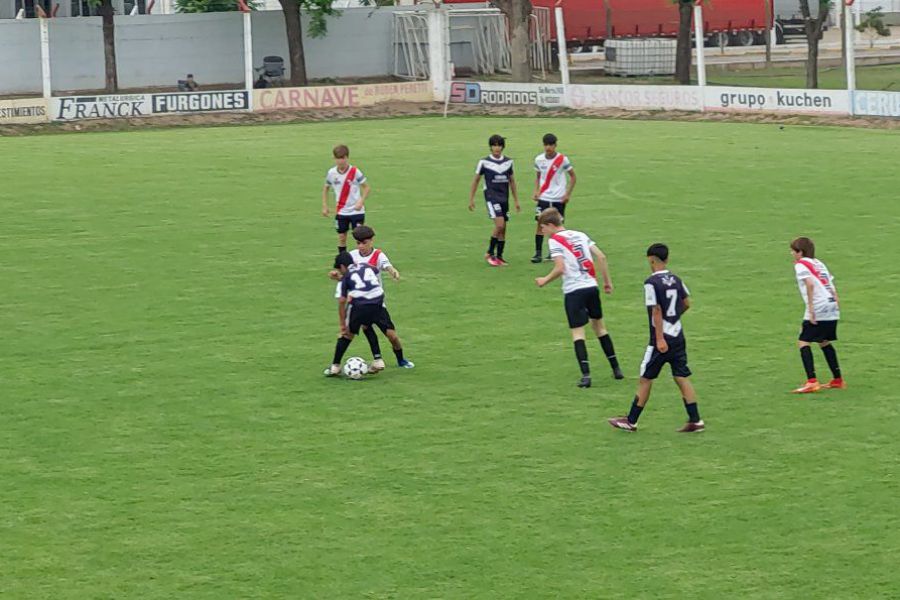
{"x": 166, "y": 315}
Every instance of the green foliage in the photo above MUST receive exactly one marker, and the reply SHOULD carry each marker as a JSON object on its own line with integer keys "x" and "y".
{"x": 873, "y": 24}
{"x": 319, "y": 10}
{"x": 167, "y": 432}
{"x": 209, "y": 6}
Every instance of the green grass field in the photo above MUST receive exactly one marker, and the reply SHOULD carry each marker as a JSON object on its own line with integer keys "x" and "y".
{"x": 167, "y": 432}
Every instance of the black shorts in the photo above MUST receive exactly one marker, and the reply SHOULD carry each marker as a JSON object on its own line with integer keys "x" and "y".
{"x": 543, "y": 205}
{"x": 497, "y": 209}
{"x": 582, "y": 305}
{"x": 343, "y": 223}
{"x": 654, "y": 361}
{"x": 384, "y": 322}
{"x": 362, "y": 315}
{"x": 822, "y": 331}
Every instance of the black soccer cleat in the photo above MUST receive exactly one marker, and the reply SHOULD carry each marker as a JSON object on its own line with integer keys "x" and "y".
{"x": 536, "y": 258}
{"x": 585, "y": 381}
{"x": 617, "y": 373}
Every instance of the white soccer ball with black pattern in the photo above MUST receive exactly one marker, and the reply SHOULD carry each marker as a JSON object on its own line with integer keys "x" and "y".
{"x": 355, "y": 368}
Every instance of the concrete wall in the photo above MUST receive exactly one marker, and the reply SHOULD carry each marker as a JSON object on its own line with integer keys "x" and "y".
{"x": 160, "y": 50}
{"x": 157, "y": 50}
{"x": 76, "y": 54}
{"x": 20, "y": 69}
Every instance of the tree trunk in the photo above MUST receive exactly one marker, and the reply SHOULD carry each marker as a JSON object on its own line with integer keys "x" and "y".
{"x": 520, "y": 44}
{"x": 683, "y": 49}
{"x": 812, "y": 61}
{"x": 518, "y": 13}
{"x": 109, "y": 46}
{"x": 291, "y": 10}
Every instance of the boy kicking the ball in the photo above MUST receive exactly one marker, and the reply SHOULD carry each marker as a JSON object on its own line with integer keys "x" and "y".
{"x": 360, "y": 305}
{"x": 350, "y": 189}
{"x": 667, "y": 298}
{"x": 820, "y": 320}
{"x": 497, "y": 171}
{"x": 572, "y": 253}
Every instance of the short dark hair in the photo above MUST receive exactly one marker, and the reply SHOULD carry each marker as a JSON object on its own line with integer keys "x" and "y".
{"x": 363, "y": 232}
{"x": 549, "y": 139}
{"x": 341, "y": 151}
{"x": 805, "y": 246}
{"x": 343, "y": 259}
{"x": 497, "y": 140}
{"x": 660, "y": 251}
{"x": 550, "y": 216}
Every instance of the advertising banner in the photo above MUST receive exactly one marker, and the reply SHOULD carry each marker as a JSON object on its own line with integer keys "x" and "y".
{"x": 507, "y": 94}
{"x": 193, "y": 102}
{"x": 71, "y": 108}
{"x": 763, "y": 100}
{"x": 25, "y": 110}
{"x": 636, "y": 97}
{"x": 341, "y": 96}
{"x": 876, "y": 104}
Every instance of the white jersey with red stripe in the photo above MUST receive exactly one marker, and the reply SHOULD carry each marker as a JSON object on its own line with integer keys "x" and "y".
{"x": 346, "y": 192}
{"x": 575, "y": 248}
{"x": 553, "y": 181}
{"x": 376, "y": 259}
{"x": 824, "y": 302}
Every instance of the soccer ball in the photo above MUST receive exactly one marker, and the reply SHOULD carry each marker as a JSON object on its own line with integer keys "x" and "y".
{"x": 355, "y": 368}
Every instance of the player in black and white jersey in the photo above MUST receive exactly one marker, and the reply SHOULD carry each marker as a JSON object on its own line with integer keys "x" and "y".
{"x": 552, "y": 187}
{"x": 360, "y": 305}
{"x": 573, "y": 254}
{"x": 667, "y": 299}
{"x": 499, "y": 181}
{"x": 820, "y": 320}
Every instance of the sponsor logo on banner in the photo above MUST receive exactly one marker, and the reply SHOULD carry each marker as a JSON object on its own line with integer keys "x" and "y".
{"x": 27, "y": 110}
{"x": 500, "y": 94}
{"x": 777, "y": 100}
{"x": 635, "y": 97}
{"x": 188, "y": 102}
{"x": 877, "y": 104}
{"x": 341, "y": 96}
{"x": 100, "y": 107}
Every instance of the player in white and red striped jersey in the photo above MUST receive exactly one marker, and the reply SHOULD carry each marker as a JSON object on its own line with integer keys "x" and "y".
{"x": 351, "y": 189}
{"x": 552, "y": 187}
{"x": 366, "y": 253}
{"x": 820, "y": 320}
{"x": 572, "y": 253}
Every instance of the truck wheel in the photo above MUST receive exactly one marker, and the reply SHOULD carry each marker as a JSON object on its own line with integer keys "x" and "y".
{"x": 742, "y": 38}
{"x": 779, "y": 34}
{"x": 720, "y": 39}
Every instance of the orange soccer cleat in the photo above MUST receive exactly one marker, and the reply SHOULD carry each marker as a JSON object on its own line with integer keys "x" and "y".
{"x": 810, "y": 387}
{"x": 835, "y": 384}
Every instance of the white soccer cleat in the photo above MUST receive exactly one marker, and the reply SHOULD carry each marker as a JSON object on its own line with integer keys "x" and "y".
{"x": 333, "y": 371}
{"x": 377, "y": 365}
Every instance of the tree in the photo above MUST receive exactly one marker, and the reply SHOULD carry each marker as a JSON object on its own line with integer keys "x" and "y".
{"x": 873, "y": 26}
{"x": 518, "y": 13}
{"x": 107, "y": 14}
{"x": 318, "y": 10}
{"x": 814, "y": 27}
{"x": 683, "y": 47}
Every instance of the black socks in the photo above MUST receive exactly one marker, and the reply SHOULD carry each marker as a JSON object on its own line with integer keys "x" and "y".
{"x": 501, "y": 244}
{"x": 807, "y": 358}
{"x": 635, "y": 413}
{"x": 373, "y": 342}
{"x": 832, "y": 359}
{"x": 339, "y": 349}
{"x": 492, "y": 246}
{"x": 398, "y": 352}
{"x": 342, "y": 249}
{"x": 581, "y": 355}
{"x": 692, "y": 411}
{"x": 608, "y": 350}
{"x": 538, "y": 244}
